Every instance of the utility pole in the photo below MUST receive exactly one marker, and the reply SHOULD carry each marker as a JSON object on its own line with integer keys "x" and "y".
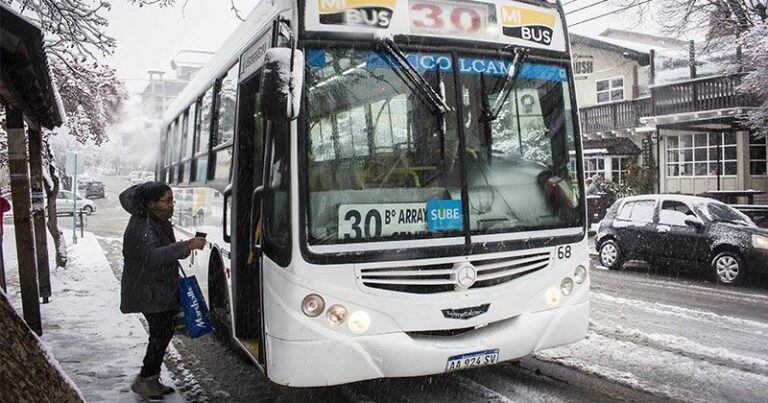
{"x": 38, "y": 212}
{"x": 22, "y": 222}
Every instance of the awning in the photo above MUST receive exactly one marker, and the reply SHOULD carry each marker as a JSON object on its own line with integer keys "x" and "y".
{"x": 25, "y": 81}
{"x": 615, "y": 146}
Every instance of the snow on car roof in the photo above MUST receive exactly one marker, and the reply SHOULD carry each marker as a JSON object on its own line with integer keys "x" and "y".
{"x": 676, "y": 197}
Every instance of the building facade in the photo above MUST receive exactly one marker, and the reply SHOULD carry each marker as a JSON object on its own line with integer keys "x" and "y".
{"x": 160, "y": 91}
{"x": 678, "y": 109}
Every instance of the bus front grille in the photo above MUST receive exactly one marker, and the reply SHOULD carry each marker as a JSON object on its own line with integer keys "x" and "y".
{"x": 430, "y": 279}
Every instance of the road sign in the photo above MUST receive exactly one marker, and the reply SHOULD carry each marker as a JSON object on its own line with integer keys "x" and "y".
{"x": 72, "y": 160}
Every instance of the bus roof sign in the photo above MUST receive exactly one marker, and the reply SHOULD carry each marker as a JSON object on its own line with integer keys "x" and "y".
{"x": 508, "y": 22}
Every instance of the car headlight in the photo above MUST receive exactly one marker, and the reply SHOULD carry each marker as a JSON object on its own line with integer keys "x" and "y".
{"x": 759, "y": 241}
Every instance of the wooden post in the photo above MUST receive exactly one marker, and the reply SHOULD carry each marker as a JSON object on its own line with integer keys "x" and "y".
{"x": 38, "y": 212}
{"x": 692, "y": 58}
{"x": 652, "y": 67}
{"x": 22, "y": 222}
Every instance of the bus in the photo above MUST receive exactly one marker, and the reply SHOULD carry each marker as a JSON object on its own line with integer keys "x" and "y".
{"x": 389, "y": 188}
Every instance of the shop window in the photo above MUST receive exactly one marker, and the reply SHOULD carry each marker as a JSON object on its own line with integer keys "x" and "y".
{"x": 619, "y": 168}
{"x": 697, "y": 154}
{"x": 594, "y": 166}
{"x": 757, "y": 155}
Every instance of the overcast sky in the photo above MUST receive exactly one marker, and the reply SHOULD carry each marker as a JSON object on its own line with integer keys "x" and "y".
{"x": 149, "y": 37}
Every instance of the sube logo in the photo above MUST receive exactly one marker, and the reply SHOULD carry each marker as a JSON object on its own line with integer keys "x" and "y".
{"x": 369, "y": 13}
{"x": 530, "y": 25}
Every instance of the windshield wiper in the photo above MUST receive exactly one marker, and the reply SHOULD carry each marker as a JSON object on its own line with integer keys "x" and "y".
{"x": 492, "y": 111}
{"x": 412, "y": 76}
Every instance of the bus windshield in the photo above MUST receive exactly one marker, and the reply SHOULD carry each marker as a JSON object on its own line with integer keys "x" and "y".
{"x": 383, "y": 165}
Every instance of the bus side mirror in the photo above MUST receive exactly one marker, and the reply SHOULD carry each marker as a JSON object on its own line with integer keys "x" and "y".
{"x": 281, "y": 82}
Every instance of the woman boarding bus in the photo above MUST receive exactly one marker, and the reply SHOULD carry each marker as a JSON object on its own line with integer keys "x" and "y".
{"x": 405, "y": 181}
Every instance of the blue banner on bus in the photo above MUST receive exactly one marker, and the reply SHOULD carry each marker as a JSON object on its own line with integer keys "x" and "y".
{"x": 467, "y": 65}
{"x": 444, "y": 215}
{"x": 422, "y": 61}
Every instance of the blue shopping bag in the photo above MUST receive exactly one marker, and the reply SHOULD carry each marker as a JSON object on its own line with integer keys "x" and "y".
{"x": 192, "y": 302}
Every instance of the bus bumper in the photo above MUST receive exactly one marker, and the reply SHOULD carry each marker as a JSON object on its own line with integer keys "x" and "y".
{"x": 332, "y": 362}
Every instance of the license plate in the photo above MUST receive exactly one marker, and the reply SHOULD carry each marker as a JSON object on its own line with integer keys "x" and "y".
{"x": 472, "y": 360}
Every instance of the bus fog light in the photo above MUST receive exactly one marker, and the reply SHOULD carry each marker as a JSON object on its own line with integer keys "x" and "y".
{"x": 359, "y": 322}
{"x": 312, "y": 305}
{"x": 580, "y": 274}
{"x": 553, "y": 297}
{"x": 566, "y": 286}
{"x": 336, "y": 315}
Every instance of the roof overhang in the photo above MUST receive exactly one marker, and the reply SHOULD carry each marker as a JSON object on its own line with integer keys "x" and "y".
{"x": 716, "y": 119}
{"x": 642, "y": 58}
{"x": 25, "y": 80}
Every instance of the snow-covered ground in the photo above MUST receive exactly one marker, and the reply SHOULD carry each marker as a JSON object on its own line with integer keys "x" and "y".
{"x": 710, "y": 348}
{"x": 97, "y": 346}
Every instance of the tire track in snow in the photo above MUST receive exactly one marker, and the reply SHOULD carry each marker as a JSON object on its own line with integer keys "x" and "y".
{"x": 723, "y": 321}
{"x": 609, "y": 374}
{"x": 660, "y": 372}
{"x": 741, "y": 296}
{"x": 488, "y": 394}
{"x": 683, "y": 346}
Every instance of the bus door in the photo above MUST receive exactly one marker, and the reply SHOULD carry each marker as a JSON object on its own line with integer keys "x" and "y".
{"x": 246, "y": 238}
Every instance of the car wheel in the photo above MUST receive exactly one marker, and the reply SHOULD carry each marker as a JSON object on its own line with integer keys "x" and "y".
{"x": 728, "y": 268}
{"x": 610, "y": 254}
{"x": 88, "y": 210}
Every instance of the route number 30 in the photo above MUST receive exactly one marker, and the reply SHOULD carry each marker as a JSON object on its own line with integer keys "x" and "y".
{"x": 447, "y": 17}
{"x": 564, "y": 252}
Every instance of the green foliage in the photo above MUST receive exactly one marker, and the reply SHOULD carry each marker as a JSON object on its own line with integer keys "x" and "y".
{"x": 639, "y": 179}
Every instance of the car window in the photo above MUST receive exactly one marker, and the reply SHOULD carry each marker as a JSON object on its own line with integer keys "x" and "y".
{"x": 677, "y": 206}
{"x": 672, "y": 217}
{"x": 722, "y": 212}
{"x": 643, "y": 211}
{"x": 625, "y": 211}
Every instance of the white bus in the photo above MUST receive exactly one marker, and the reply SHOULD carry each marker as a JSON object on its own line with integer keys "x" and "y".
{"x": 390, "y": 187}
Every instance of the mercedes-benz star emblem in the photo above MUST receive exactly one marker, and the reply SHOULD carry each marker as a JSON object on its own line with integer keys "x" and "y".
{"x": 466, "y": 275}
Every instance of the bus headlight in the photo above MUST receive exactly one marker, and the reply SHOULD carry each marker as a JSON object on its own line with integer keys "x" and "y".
{"x": 359, "y": 322}
{"x": 336, "y": 315}
{"x": 312, "y": 305}
{"x": 580, "y": 274}
{"x": 566, "y": 286}
{"x": 553, "y": 297}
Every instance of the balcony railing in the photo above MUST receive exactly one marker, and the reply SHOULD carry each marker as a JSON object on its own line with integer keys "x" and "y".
{"x": 697, "y": 95}
{"x": 615, "y": 115}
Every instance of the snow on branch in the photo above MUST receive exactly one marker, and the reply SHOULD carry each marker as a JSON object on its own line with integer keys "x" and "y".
{"x": 755, "y": 83}
{"x": 90, "y": 93}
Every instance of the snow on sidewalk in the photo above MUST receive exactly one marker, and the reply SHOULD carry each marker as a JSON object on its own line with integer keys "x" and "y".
{"x": 97, "y": 346}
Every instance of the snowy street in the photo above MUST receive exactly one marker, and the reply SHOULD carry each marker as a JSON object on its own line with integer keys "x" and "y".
{"x": 384, "y": 201}
{"x": 653, "y": 336}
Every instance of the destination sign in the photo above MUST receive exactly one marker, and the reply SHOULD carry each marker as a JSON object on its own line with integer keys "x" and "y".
{"x": 437, "y": 61}
{"x": 252, "y": 58}
{"x": 507, "y": 22}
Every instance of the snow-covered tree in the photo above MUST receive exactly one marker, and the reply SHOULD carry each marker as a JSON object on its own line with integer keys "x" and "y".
{"x": 74, "y": 40}
{"x": 690, "y": 18}
{"x": 755, "y": 83}
{"x": 746, "y": 20}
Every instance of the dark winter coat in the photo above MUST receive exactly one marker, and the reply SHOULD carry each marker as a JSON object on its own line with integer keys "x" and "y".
{"x": 151, "y": 260}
